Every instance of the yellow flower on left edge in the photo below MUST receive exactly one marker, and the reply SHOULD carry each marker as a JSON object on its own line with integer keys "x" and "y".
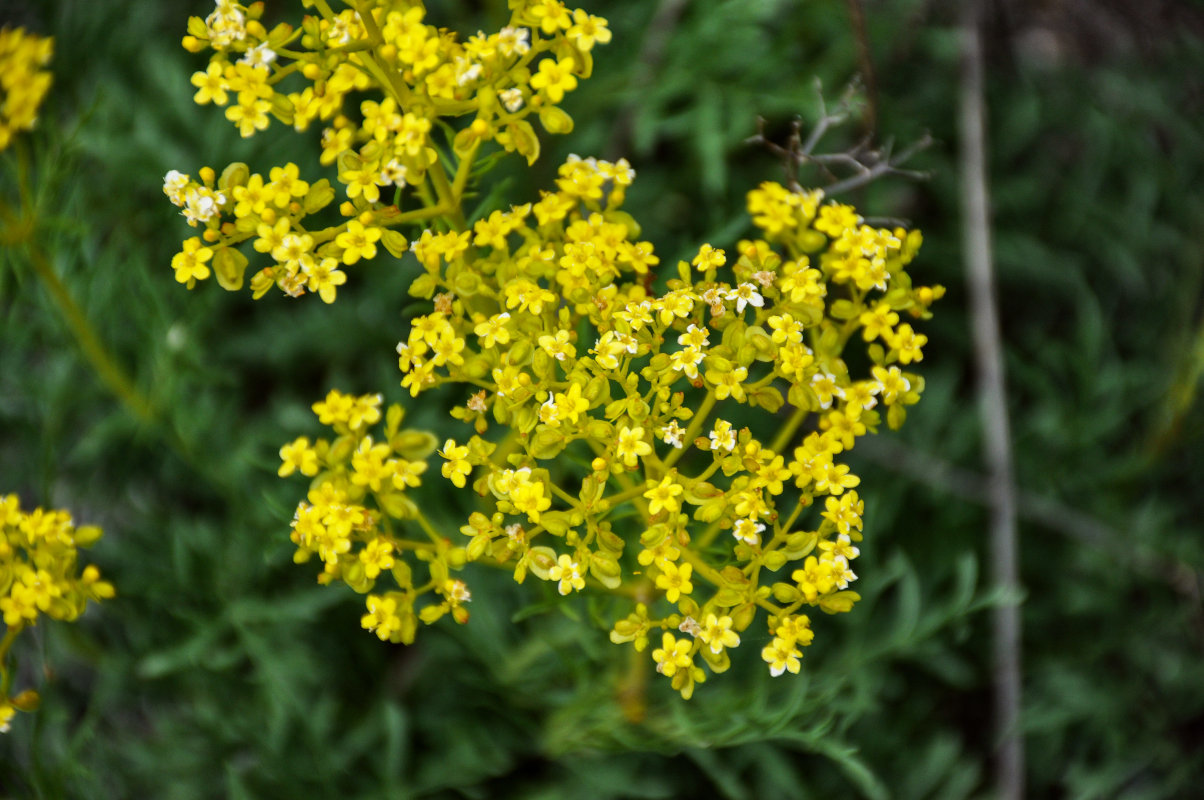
{"x": 39, "y": 561}
{"x": 23, "y": 82}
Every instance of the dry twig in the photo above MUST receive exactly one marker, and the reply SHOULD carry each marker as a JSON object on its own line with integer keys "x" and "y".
{"x": 861, "y": 164}
{"x": 992, "y": 396}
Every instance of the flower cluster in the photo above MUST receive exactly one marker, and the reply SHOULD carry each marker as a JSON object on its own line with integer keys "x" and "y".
{"x": 357, "y": 505}
{"x": 40, "y": 576}
{"x": 624, "y": 459}
{"x": 23, "y": 82}
{"x": 423, "y": 75}
{"x": 673, "y": 436}
{"x": 605, "y": 393}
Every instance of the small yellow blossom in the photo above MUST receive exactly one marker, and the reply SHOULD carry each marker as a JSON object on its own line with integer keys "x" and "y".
{"x": 709, "y": 258}
{"x": 382, "y": 618}
{"x": 189, "y": 263}
{"x": 457, "y": 467}
{"x": 568, "y": 573}
{"x": 298, "y": 456}
{"x": 672, "y": 655}
{"x": 631, "y": 446}
{"x": 675, "y": 580}
{"x": 555, "y": 78}
{"x": 717, "y": 633}
{"x": 664, "y": 496}
{"x": 782, "y": 656}
{"x": 358, "y": 242}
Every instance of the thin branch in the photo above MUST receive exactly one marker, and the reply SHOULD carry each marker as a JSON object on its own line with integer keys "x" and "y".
{"x": 887, "y": 222}
{"x": 887, "y": 166}
{"x": 866, "y": 164}
{"x": 988, "y": 347}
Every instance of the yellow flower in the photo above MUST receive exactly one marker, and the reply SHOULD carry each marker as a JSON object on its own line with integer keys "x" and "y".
{"x": 672, "y": 655}
{"x": 189, "y": 263}
{"x": 907, "y": 343}
{"x": 512, "y": 295}
{"x": 834, "y": 219}
{"x": 748, "y": 531}
{"x": 298, "y": 456}
{"x": 717, "y": 632}
{"x": 40, "y": 577}
{"x": 555, "y": 78}
{"x": 587, "y": 29}
{"x": 382, "y": 618}
{"x": 892, "y": 382}
{"x": 631, "y": 446}
{"x": 674, "y": 580}
{"x": 878, "y": 321}
{"x": 361, "y": 183}
{"x": 493, "y": 330}
{"x": 211, "y": 85}
{"x": 663, "y": 496}
{"x": 358, "y": 241}
{"x": 369, "y": 467}
{"x": 709, "y": 258}
{"x": 457, "y": 467}
{"x": 845, "y": 513}
{"x": 286, "y": 184}
{"x": 570, "y": 405}
{"x": 568, "y": 573}
{"x": 324, "y": 278}
{"x": 376, "y": 557}
{"x": 551, "y": 14}
{"x": 250, "y": 114}
{"x": 814, "y": 579}
{"x": 23, "y": 84}
{"x": 782, "y": 656}
{"x": 21, "y": 604}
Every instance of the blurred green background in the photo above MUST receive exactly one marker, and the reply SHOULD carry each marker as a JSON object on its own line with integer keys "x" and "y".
{"x": 223, "y": 670}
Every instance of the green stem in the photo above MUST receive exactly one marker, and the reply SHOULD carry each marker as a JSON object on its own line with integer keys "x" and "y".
{"x": 508, "y": 445}
{"x": 410, "y": 544}
{"x": 565, "y": 496}
{"x": 776, "y": 610}
{"x": 788, "y": 430}
{"x": 6, "y": 677}
{"x": 701, "y": 567}
{"x": 616, "y": 500}
{"x": 447, "y": 196}
{"x": 785, "y": 527}
{"x": 636, "y": 491}
{"x": 463, "y": 171}
{"x": 85, "y": 335}
{"x": 706, "y": 537}
{"x": 427, "y": 528}
{"x": 389, "y": 79}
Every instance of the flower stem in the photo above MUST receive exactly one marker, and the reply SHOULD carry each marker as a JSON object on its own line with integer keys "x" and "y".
{"x": 106, "y": 367}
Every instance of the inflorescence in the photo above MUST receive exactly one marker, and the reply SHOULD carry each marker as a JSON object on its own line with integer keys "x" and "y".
{"x": 670, "y": 436}
{"x": 40, "y": 576}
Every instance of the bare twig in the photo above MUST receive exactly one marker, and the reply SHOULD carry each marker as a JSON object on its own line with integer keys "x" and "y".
{"x": 988, "y": 349}
{"x": 887, "y": 222}
{"x": 866, "y": 163}
{"x": 873, "y": 168}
